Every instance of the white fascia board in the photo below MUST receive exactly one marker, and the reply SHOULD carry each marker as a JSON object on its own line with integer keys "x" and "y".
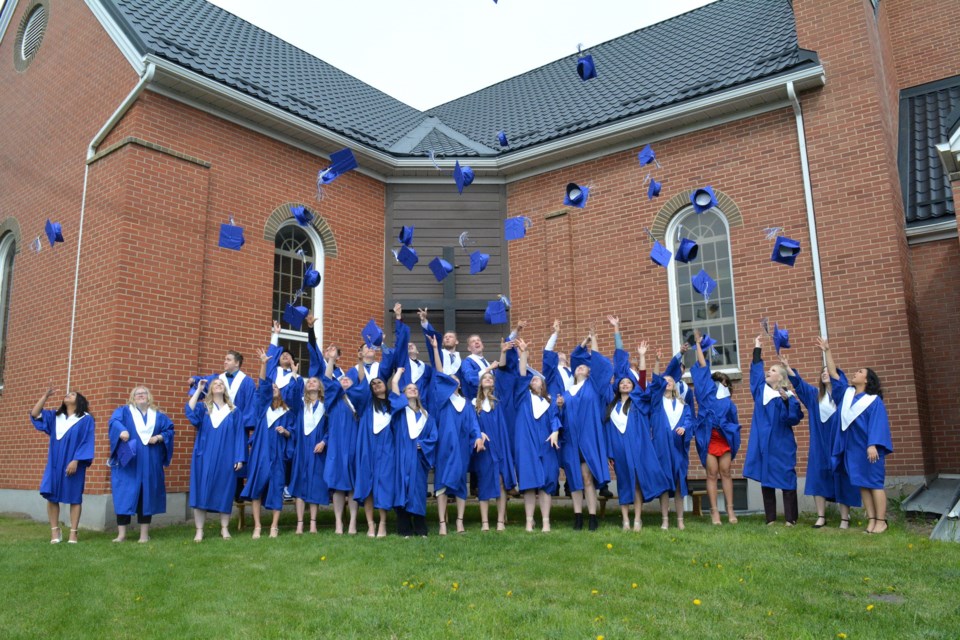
{"x": 6, "y": 16}
{"x": 119, "y": 37}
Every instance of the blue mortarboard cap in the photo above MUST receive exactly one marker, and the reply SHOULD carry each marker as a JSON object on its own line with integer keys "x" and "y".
{"x": 478, "y": 262}
{"x": 585, "y": 67}
{"x": 703, "y": 283}
{"x": 294, "y": 315}
{"x": 515, "y": 228}
{"x": 660, "y": 254}
{"x": 785, "y": 251}
{"x": 703, "y": 199}
{"x": 687, "y": 250}
{"x": 646, "y": 156}
{"x": 502, "y": 139}
{"x": 706, "y": 342}
{"x": 781, "y": 338}
{"x": 463, "y": 176}
{"x": 302, "y": 215}
{"x": 340, "y": 162}
{"x": 496, "y": 312}
{"x": 231, "y": 236}
{"x": 406, "y": 235}
{"x": 125, "y": 453}
{"x": 311, "y": 277}
{"x": 54, "y": 232}
{"x": 372, "y": 334}
{"x": 576, "y": 196}
{"x": 408, "y": 257}
{"x": 441, "y": 268}
{"x": 654, "y": 189}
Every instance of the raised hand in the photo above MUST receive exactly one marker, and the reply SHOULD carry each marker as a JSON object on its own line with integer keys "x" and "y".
{"x": 756, "y": 343}
{"x": 310, "y": 319}
{"x": 697, "y": 336}
{"x": 201, "y": 384}
{"x": 684, "y": 347}
{"x": 295, "y": 367}
{"x": 521, "y": 345}
{"x": 822, "y": 344}
{"x": 262, "y": 355}
{"x": 276, "y": 327}
{"x": 330, "y": 353}
{"x": 615, "y": 321}
{"x": 398, "y": 310}
{"x": 422, "y": 314}
{"x": 432, "y": 340}
{"x": 556, "y": 326}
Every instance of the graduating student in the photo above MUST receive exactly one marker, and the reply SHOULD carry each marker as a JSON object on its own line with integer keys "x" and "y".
{"x": 772, "y": 448}
{"x": 717, "y": 431}
{"x": 70, "y": 430}
{"x": 629, "y": 444}
{"x": 281, "y": 369}
{"x": 219, "y": 451}
{"x": 494, "y": 465}
{"x": 537, "y": 441}
{"x": 415, "y": 433}
{"x": 271, "y": 442}
{"x": 556, "y": 366}
{"x": 863, "y": 442}
{"x": 583, "y": 447}
{"x": 309, "y": 442}
{"x": 240, "y": 387}
{"x": 450, "y": 359}
{"x": 141, "y": 445}
{"x": 675, "y": 369}
{"x": 417, "y": 371}
{"x": 822, "y": 482}
{"x": 671, "y": 425}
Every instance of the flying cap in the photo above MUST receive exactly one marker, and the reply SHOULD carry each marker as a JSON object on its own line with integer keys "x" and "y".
{"x": 781, "y": 338}
{"x": 372, "y": 334}
{"x": 295, "y": 315}
{"x": 302, "y": 215}
{"x": 441, "y": 268}
{"x": 496, "y": 312}
{"x": 311, "y": 277}
{"x": 646, "y": 156}
{"x": 340, "y": 162}
{"x": 654, "y": 189}
{"x": 407, "y": 256}
{"x": 785, "y": 251}
{"x": 687, "y": 250}
{"x": 585, "y": 67}
{"x": 660, "y": 254}
{"x": 406, "y": 235}
{"x": 54, "y": 232}
{"x": 463, "y": 176}
{"x": 516, "y": 228}
{"x": 703, "y": 199}
{"x": 576, "y": 196}
{"x": 478, "y": 262}
{"x": 231, "y": 236}
{"x": 703, "y": 283}
{"x": 502, "y": 139}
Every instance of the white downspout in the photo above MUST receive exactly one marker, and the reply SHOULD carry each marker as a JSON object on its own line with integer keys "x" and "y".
{"x": 91, "y": 152}
{"x": 811, "y": 219}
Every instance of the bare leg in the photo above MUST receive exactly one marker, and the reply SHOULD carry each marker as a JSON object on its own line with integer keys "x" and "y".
{"x": 354, "y": 509}
{"x": 529, "y": 504}
{"x": 275, "y": 524}
{"x": 144, "y": 533}
{"x": 867, "y": 498}
{"x": 637, "y": 508}
{"x": 665, "y": 510}
{"x": 382, "y": 527}
{"x": 224, "y": 525}
{"x": 713, "y": 474}
{"x": 199, "y": 518}
{"x": 727, "y": 481}
{"x": 484, "y": 515}
{"x": 313, "y": 518}
{"x": 53, "y": 515}
{"x": 299, "y": 504}
{"x": 577, "y": 501}
{"x": 844, "y": 516}
{"x": 339, "y": 498}
{"x": 461, "y": 510}
{"x": 678, "y": 501}
{"x": 368, "y": 512}
{"x": 589, "y": 490}
{"x": 256, "y": 519}
{"x": 546, "y": 500}
{"x": 625, "y": 516}
{"x": 821, "y": 503}
{"x": 502, "y": 509}
{"x": 880, "y": 507}
{"x": 76, "y": 509}
{"x": 121, "y": 533}
{"x": 442, "y": 512}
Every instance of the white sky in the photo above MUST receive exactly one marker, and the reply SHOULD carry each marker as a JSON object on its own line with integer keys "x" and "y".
{"x": 427, "y": 52}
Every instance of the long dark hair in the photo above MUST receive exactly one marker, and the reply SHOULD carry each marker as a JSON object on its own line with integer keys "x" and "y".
{"x": 722, "y": 378}
{"x": 380, "y": 404}
{"x": 616, "y": 399}
{"x": 83, "y": 407}
{"x": 872, "y": 387}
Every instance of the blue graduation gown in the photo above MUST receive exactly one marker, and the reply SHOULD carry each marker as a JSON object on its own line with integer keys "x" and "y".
{"x": 714, "y": 413}
{"x": 280, "y": 377}
{"x": 265, "y": 475}
{"x": 215, "y": 451}
{"x": 582, "y": 434}
{"x": 470, "y": 376}
{"x": 340, "y": 471}
{"x": 143, "y": 473}
{"x": 448, "y": 361}
{"x": 376, "y": 462}
{"x": 673, "y": 450}
{"x": 772, "y": 447}
{"x": 75, "y": 444}
{"x": 870, "y": 428}
{"x": 306, "y": 476}
{"x": 415, "y": 457}
{"x": 673, "y": 370}
{"x": 457, "y": 430}
{"x": 537, "y": 462}
{"x": 242, "y": 395}
{"x": 402, "y": 341}
{"x": 551, "y": 373}
{"x": 495, "y": 464}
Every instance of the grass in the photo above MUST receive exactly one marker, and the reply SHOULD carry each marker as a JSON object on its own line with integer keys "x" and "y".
{"x": 743, "y": 581}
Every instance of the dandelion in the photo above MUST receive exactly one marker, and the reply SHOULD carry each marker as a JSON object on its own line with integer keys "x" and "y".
{"x": 910, "y": 546}
{"x": 509, "y": 594}
{"x": 594, "y": 592}
{"x": 869, "y": 607}
{"x": 633, "y": 586}
{"x": 696, "y": 602}
{"x": 719, "y": 566}
{"x": 769, "y": 613}
{"x": 456, "y": 586}
{"x": 412, "y": 586}
{"x": 323, "y": 558}
{"x": 449, "y": 622}
{"x": 598, "y": 619}
{"x": 866, "y": 579}
{"x": 741, "y": 580}
{"x": 405, "y": 583}
{"x": 841, "y": 635}
{"x": 441, "y": 556}
{"x": 138, "y": 598}
{"x": 599, "y": 637}
{"x": 609, "y": 546}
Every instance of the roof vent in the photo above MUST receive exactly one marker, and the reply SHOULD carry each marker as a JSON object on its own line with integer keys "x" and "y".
{"x": 30, "y": 34}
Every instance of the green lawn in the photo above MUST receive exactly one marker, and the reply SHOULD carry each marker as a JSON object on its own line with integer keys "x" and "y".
{"x": 742, "y": 581}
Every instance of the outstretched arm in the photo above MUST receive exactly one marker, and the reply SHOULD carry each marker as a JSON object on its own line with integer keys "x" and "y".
{"x": 617, "y": 338}
{"x": 701, "y": 360}
{"x": 828, "y": 358}
{"x": 522, "y": 348}
{"x": 395, "y": 380}
{"x": 37, "y": 410}
{"x": 201, "y": 385}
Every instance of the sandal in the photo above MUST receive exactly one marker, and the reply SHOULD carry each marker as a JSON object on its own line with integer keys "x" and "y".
{"x": 501, "y": 525}
{"x": 844, "y": 521}
{"x": 59, "y": 537}
{"x": 867, "y": 530}
{"x": 274, "y": 532}
{"x": 73, "y": 537}
{"x": 485, "y": 525}
{"x": 225, "y": 533}
{"x": 443, "y": 527}
{"x": 460, "y": 528}
{"x": 821, "y": 525}
{"x": 299, "y": 530}
{"x": 885, "y": 527}
{"x": 256, "y": 533}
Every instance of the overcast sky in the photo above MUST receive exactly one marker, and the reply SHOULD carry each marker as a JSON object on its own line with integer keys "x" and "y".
{"x": 427, "y": 52}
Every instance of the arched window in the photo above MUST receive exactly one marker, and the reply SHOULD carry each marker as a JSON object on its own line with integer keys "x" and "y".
{"x": 716, "y": 315}
{"x": 8, "y": 249}
{"x": 288, "y": 268}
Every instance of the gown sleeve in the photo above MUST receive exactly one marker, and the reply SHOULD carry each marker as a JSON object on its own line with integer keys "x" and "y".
{"x": 85, "y": 447}
{"x": 115, "y": 427}
{"x": 808, "y": 395}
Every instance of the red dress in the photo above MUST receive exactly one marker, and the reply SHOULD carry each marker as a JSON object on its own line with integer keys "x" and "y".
{"x": 718, "y": 444}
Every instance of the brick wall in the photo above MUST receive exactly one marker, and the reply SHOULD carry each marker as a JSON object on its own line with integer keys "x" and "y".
{"x": 923, "y": 38}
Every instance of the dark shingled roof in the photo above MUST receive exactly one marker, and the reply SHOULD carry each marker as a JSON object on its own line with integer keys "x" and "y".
{"x": 715, "y": 47}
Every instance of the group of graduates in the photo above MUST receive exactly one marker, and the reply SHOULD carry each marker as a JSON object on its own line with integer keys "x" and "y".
{"x": 371, "y": 434}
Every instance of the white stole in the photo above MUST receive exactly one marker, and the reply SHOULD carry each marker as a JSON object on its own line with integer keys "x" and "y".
{"x": 450, "y": 361}
{"x": 722, "y": 392}
{"x": 416, "y": 369}
{"x": 575, "y": 388}
{"x": 769, "y": 393}
{"x": 827, "y": 408}
{"x": 374, "y": 371}
{"x": 381, "y": 420}
{"x": 414, "y": 426}
{"x": 458, "y": 402}
{"x": 283, "y": 377}
{"x": 567, "y": 376}
{"x": 312, "y": 418}
{"x": 619, "y": 418}
{"x": 233, "y": 387}
{"x": 219, "y": 414}
{"x": 64, "y": 423}
{"x": 682, "y": 388}
{"x": 674, "y": 411}
{"x": 486, "y": 406}
{"x": 273, "y": 415}
{"x": 479, "y": 360}
{"x": 851, "y": 410}
{"x": 540, "y": 405}
{"x": 144, "y": 428}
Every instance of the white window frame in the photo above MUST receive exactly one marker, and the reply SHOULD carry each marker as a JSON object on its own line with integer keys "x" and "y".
{"x": 319, "y": 264}
{"x": 8, "y": 246}
{"x": 6, "y": 14}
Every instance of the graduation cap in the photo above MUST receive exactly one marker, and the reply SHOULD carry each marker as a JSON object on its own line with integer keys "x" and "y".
{"x": 54, "y": 232}
{"x": 231, "y": 236}
{"x": 502, "y": 139}
{"x": 463, "y": 176}
{"x": 406, "y": 235}
{"x": 687, "y": 250}
{"x": 706, "y": 343}
{"x": 660, "y": 254}
{"x": 646, "y": 156}
{"x": 703, "y": 283}
{"x": 703, "y": 199}
{"x": 372, "y": 334}
{"x": 125, "y": 453}
{"x": 516, "y": 228}
{"x": 496, "y": 312}
{"x": 407, "y": 256}
{"x": 478, "y": 262}
{"x": 785, "y": 251}
{"x": 302, "y": 215}
{"x": 311, "y": 277}
{"x": 654, "y": 189}
{"x": 294, "y": 315}
{"x": 340, "y": 162}
{"x": 576, "y": 196}
{"x": 441, "y": 268}
{"x": 585, "y": 67}
{"x": 781, "y": 338}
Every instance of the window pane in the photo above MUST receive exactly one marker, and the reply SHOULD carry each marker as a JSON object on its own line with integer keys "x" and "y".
{"x": 288, "y": 268}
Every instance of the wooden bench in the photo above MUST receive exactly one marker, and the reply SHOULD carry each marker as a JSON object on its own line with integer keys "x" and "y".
{"x": 695, "y": 497}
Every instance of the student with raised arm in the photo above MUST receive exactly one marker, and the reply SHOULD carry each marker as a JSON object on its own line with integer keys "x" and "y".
{"x": 219, "y": 452}
{"x": 537, "y": 441}
{"x": 717, "y": 432}
{"x": 772, "y": 448}
{"x": 475, "y": 364}
{"x": 70, "y": 430}
{"x": 415, "y": 433}
{"x": 340, "y": 466}
{"x": 271, "y": 438}
{"x": 141, "y": 445}
{"x": 407, "y": 355}
{"x": 458, "y": 433}
{"x": 824, "y": 420}
{"x": 583, "y": 447}
{"x": 675, "y": 369}
{"x": 450, "y": 359}
{"x": 863, "y": 442}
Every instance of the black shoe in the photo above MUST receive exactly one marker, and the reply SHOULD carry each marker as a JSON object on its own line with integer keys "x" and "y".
{"x": 566, "y": 490}
{"x": 577, "y": 521}
{"x": 605, "y": 492}
{"x": 594, "y": 523}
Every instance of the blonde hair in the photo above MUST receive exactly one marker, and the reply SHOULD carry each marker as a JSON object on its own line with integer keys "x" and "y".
{"x": 675, "y": 393}
{"x": 784, "y": 379}
{"x": 133, "y": 392}
{"x": 226, "y": 395}
{"x": 483, "y": 395}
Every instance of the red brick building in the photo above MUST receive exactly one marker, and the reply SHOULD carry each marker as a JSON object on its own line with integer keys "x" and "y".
{"x": 142, "y": 126}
